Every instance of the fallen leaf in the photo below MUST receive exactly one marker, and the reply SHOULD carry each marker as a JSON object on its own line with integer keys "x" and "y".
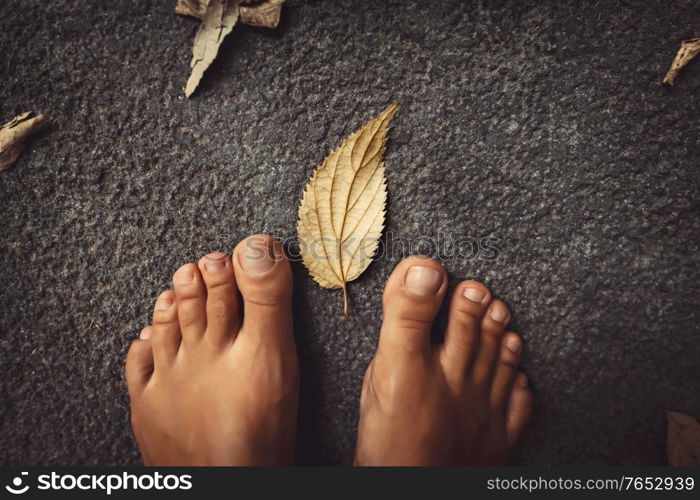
{"x": 252, "y": 12}
{"x": 683, "y": 442}
{"x": 688, "y": 50}
{"x": 341, "y": 216}
{"x": 218, "y": 19}
{"x": 194, "y": 8}
{"x": 266, "y": 15}
{"x": 14, "y": 133}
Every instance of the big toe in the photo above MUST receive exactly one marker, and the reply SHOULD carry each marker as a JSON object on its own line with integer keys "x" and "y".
{"x": 412, "y": 298}
{"x": 264, "y": 280}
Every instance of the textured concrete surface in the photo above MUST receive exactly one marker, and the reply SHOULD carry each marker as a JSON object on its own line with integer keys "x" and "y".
{"x": 543, "y": 125}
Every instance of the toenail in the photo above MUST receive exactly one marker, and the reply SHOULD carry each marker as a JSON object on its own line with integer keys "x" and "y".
{"x": 184, "y": 276}
{"x": 473, "y": 294}
{"x": 423, "y": 280}
{"x": 258, "y": 257}
{"x": 513, "y": 344}
{"x": 214, "y": 262}
{"x": 145, "y": 334}
{"x": 163, "y": 304}
{"x": 498, "y": 314}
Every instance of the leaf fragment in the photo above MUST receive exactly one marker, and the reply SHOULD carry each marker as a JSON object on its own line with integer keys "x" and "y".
{"x": 683, "y": 441}
{"x": 341, "y": 216}
{"x": 218, "y": 19}
{"x": 687, "y": 51}
{"x": 266, "y": 15}
{"x": 13, "y": 135}
{"x": 194, "y": 8}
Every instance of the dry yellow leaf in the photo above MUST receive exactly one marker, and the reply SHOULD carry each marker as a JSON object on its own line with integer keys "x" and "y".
{"x": 265, "y": 15}
{"x": 194, "y": 8}
{"x": 688, "y": 50}
{"x": 341, "y": 216}
{"x": 14, "y": 133}
{"x": 218, "y": 19}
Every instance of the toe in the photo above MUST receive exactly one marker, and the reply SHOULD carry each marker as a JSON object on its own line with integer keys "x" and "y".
{"x": 469, "y": 301}
{"x": 165, "y": 310}
{"x": 412, "y": 298}
{"x": 191, "y": 302}
{"x": 165, "y": 331}
{"x": 519, "y": 409}
{"x": 264, "y": 280}
{"x": 507, "y": 367}
{"x": 493, "y": 324}
{"x": 139, "y": 363}
{"x": 222, "y": 297}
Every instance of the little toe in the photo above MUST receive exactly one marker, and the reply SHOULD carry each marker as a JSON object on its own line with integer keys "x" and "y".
{"x": 469, "y": 301}
{"x": 222, "y": 297}
{"x": 412, "y": 298}
{"x": 165, "y": 331}
{"x": 191, "y": 295}
{"x": 139, "y": 363}
{"x": 493, "y": 325}
{"x": 509, "y": 359}
{"x": 519, "y": 409}
{"x": 264, "y": 280}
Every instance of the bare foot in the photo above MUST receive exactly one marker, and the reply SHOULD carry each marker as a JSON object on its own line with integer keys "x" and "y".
{"x": 210, "y": 388}
{"x": 461, "y": 402}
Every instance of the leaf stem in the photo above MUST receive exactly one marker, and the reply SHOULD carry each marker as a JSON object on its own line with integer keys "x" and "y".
{"x": 345, "y": 298}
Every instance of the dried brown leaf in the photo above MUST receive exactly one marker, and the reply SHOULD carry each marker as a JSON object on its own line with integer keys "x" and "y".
{"x": 683, "y": 441}
{"x": 219, "y": 19}
{"x": 266, "y": 15}
{"x": 14, "y": 133}
{"x": 688, "y": 50}
{"x": 194, "y": 8}
{"x": 341, "y": 216}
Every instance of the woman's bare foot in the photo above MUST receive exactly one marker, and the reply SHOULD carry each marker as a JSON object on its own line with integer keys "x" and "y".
{"x": 208, "y": 387}
{"x": 461, "y": 402}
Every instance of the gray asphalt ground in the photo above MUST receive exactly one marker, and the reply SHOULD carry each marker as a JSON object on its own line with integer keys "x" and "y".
{"x": 540, "y": 128}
